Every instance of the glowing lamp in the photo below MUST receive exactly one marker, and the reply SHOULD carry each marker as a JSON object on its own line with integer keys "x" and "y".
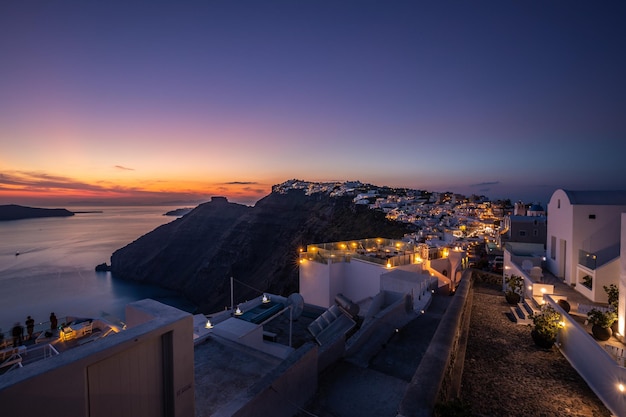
{"x": 238, "y": 311}
{"x": 621, "y": 387}
{"x": 208, "y": 325}
{"x": 265, "y": 299}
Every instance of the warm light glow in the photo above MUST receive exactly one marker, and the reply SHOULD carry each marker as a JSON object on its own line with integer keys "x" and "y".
{"x": 621, "y": 387}
{"x": 543, "y": 290}
{"x": 530, "y": 287}
{"x": 562, "y": 324}
{"x": 208, "y": 325}
{"x": 388, "y": 264}
{"x": 422, "y": 311}
{"x": 238, "y": 311}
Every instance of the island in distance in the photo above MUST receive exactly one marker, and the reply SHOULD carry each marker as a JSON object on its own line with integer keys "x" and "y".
{"x": 15, "y": 212}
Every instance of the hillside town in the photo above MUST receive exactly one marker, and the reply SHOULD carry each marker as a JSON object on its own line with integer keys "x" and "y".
{"x": 377, "y": 317}
{"x": 444, "y": 220}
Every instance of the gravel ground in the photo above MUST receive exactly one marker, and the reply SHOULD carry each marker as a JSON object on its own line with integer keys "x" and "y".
{"x": 505, "y": 374}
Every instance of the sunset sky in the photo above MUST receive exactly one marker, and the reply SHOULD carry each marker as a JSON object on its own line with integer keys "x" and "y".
{"x": 164, "y": 101}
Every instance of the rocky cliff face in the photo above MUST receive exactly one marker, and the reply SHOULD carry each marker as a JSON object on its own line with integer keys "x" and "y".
{"x": 198, "y": 253}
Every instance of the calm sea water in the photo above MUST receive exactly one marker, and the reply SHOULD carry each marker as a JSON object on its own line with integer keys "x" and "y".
{"x": 54, "y": 271}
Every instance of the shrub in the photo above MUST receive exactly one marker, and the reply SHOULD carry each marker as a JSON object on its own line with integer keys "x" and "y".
{"x": 547, "y": 322}
{"x": 515, "y": 284}
{"x": 604, "y": 319}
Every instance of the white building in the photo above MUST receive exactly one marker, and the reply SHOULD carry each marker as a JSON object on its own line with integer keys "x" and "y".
{"x": 361, "y": 269}
{"x": 583, "y": 239}
{"x": 146, "y": 370}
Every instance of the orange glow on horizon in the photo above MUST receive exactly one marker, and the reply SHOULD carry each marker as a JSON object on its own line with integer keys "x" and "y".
{"x": 65, "y": 191}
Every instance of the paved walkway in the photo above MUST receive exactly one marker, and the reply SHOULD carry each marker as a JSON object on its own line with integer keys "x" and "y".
{"x": 350, "y": 389}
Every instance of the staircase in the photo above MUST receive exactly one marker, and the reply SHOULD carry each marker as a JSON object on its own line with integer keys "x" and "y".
{"x": 523, "y": 310}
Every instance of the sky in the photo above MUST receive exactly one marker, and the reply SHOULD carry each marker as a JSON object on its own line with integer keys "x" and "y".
{"x": 158, "y": 102}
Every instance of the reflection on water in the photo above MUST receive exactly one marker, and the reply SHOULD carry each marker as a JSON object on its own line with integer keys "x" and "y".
{"x": 54, "y": 270}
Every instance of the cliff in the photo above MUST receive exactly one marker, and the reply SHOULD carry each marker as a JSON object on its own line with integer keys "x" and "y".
{"x": 198, "y": 253}
{"x": 15, "y": 212}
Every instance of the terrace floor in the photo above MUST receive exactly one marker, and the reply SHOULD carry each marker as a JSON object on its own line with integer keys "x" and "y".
{"x": 575, "y": 298}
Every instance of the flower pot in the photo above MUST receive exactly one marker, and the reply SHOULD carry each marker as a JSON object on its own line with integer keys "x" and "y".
{"x": 541, "y": 340}
{"x": 564, "y": 305}
{"x": 601, "y": 333}
{"x": 512, "y": 298}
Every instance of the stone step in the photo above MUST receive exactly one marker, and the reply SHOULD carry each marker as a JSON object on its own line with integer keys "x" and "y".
{"x": 523, "y": 311}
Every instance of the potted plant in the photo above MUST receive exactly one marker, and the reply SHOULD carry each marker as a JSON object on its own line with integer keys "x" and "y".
{"x": 546, "y": 325}
{"x": 587, "y": 281}
{"x": 514, "y": 290}
{"x": 612, "y": 292}
{"x": 601, "y": 321}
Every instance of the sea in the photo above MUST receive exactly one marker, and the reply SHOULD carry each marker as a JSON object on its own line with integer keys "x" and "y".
{"x": 48, "y": 265}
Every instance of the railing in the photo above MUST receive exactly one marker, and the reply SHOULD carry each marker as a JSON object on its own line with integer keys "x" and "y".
{"x": 592, "y": 362}
{"x": 587, "y": 259}
{"x": 7, "y": 336}
{"x": 334, "y": 257}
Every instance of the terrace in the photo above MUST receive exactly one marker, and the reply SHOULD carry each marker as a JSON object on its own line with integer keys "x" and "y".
{"x": 389, "y": 252}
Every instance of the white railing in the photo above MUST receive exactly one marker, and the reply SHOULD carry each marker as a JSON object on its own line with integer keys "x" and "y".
{"x": 592, "y": 362}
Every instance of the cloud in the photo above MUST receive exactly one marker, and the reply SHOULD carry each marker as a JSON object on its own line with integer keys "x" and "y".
{"x": 40, "y": 186}
{"x": 240, "y": 183}
{"x": 482, "y": 184}
{"x": 123, "y": 168}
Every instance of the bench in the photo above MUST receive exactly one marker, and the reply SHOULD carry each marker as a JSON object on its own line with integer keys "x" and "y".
{"x": 331, "y": 324}
{"x": 10, "y": 351}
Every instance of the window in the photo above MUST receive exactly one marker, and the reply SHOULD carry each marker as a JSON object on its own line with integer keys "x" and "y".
{"x": 592, "y": 216}
{"x": 535, "y": 232}
{"x": 558, "y": 203}
{"x": 553, "y": 247}
{"x": 522, "y": 233}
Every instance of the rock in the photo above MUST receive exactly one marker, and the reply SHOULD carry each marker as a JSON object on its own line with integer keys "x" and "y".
{"x": 199, "y": 252}
{"x": 103, "y": 267}
{"x": 15, "y": 212}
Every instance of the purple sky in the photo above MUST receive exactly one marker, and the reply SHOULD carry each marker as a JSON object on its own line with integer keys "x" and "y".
{"x": 177, "y": 101}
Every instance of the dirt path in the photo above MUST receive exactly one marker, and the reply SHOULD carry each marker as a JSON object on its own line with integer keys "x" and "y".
{"x": 505, "y": 374}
